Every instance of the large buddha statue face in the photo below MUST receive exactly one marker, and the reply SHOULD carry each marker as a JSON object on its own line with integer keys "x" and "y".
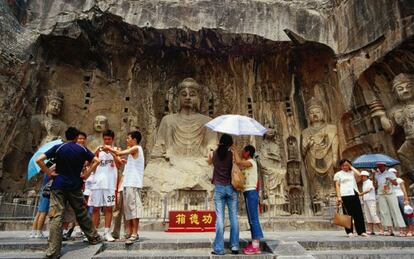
{"x": 100, "y": 124}
{"x": 188, "y": 95}
{"x": 316, "y": 114}
{"x": 54, "y": 107}
{"x": 403, "y": 86}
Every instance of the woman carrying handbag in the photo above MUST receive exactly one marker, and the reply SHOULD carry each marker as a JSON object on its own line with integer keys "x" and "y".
{"x": 348, "y": 196}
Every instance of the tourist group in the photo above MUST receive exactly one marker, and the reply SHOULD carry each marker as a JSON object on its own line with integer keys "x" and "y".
{"x": 383, "y": 200}
{"x": 80, "y": 184}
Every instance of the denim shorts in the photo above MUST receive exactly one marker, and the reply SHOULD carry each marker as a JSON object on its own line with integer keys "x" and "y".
{"x": 43, "y": 204}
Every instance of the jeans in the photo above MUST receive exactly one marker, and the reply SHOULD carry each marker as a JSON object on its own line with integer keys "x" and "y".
{"x": 226, "y": 194}
{"x": 251, "y": 199}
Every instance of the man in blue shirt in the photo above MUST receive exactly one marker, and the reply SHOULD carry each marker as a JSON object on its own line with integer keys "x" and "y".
{"x": 70, "y": 158}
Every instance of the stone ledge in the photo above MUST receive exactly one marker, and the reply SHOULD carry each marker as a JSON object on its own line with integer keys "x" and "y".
{"x": 356, "y": 244}
{"x": 365, "y": 254}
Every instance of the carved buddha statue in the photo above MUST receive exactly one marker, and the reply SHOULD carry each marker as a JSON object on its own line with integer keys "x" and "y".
{"x": 100, "y": 124}
{"x": 320, "y": 150}
{"x": 179, "y": 156}
{"x": 47, "y": 127}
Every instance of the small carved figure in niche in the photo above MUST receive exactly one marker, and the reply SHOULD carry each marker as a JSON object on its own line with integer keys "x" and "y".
{"x": 296, "y": 201}
{"x": 320, "y": 151}
{"x": 271, "y": 168}
{"x": 292, "y": 146}
{"x": 401, "y": 114}
{"x": 179, "y": 156}
{"x": 47, "y": 127}
{"x": 294, "y": 177}
{"x": 100, "y": 124}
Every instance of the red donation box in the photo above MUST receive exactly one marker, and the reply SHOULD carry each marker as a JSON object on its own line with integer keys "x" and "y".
{"x": 192, "y": 221}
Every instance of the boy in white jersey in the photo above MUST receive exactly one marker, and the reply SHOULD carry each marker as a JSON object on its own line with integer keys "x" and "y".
{"x": 104, "y": 184}
{"x": 370, "y": 204}
{"x": 132, "y": 182}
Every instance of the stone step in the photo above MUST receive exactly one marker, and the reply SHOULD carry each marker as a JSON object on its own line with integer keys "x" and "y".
{"x": 148, "y": 244}
{"x": 40, "y": 245}
{"x": 171, "y": 254}
{"x": 356, "y": 244}
{"x": 22, "y": 255}
{"x": 405, "y": 253}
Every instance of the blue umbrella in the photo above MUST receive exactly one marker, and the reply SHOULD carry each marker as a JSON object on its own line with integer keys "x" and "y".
{"x": 370, "y": 160}
{"x": 33, "y": 168}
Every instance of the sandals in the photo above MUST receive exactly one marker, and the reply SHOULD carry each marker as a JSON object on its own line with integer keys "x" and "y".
{"x": 132, "y": 239}
{"x": 364, "y": 235}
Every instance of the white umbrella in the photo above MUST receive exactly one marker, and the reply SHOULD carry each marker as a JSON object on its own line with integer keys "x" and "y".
{"x": 236, "y": 125}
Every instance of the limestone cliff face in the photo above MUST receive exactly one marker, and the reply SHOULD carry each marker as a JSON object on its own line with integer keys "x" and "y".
{"x": 132, "y": 54}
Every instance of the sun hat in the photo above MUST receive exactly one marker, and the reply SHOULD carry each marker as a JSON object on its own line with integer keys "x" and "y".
{"x": 365, "y": 173}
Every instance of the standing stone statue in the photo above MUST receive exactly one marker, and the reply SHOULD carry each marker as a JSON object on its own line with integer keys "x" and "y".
{"x": 100, "y": 124}
{"x": 320, "y": 151}
{"x": 401, "y": 114}
{"x": 272, "y": 171}
{"x": 179, "y": 156}
{"x": 47, "y": 127}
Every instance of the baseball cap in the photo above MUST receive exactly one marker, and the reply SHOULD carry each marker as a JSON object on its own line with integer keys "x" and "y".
{"x": 364, "y": 173}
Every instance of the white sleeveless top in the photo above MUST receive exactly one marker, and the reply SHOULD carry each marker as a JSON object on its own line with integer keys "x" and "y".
{"x": 106, "y": 173}
{"x": 134, "y": 170}
{"x": 251, "y": 176}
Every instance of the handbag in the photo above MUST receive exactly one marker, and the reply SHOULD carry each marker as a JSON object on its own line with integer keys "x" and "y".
{"x": 342, "y": 220}
{"x": 237, "y": 178}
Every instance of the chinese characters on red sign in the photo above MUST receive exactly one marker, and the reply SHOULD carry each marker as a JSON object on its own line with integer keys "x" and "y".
{"x": 192, "y": 221}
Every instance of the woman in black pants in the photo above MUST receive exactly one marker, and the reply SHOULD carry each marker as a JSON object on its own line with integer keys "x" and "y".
{"x": 348, "y": 196}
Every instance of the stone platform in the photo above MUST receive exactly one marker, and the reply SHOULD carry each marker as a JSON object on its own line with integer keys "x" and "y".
{"x": 282, "y": 245}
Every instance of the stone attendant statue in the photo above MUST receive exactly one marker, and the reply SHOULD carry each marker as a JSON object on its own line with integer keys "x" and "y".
{"x": 320, "y": 151}
{"x": 179, "y": 156}
{"x": 100, "y": 124}
{"x": 272, "y": 171}
{"x": 47, "y": 127}
{"x": 402, "y": 114}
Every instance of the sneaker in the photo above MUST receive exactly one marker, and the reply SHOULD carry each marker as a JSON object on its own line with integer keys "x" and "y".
{"x": 32, "y": 235}
{"x": 79, "y": 234}
{"x": 350, "y": 235}
{"x": 217, "y": 253}
{"x": 85, "y": 240}
{"x": 132, "y": 239}
{"x": 108, "y": 237}
{"x": 250, "y": 250}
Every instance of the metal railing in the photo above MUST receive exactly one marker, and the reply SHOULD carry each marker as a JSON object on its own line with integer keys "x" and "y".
{"x": 156, "y": 207}
{"x": 18, "y": 206}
